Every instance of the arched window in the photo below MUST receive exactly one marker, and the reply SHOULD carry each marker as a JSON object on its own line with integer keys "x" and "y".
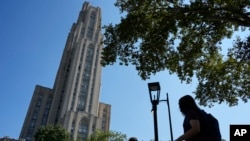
{"x": 83, "y": 129}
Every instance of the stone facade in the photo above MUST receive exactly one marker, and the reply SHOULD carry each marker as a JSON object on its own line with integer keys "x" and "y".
{"x": 73, "y": 102}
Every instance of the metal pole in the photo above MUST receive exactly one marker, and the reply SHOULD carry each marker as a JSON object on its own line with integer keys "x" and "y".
{"x": 170, "y": 123}
{"x": 155, "y": 119}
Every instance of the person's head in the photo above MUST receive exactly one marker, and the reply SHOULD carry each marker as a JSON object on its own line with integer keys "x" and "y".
{"x": 133, "y": 139}
{"x": 187, "y": 103}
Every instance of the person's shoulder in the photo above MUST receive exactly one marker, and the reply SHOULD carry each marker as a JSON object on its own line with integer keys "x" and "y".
{"x": 203, "y": 113}
{"x": 193, "y": 114}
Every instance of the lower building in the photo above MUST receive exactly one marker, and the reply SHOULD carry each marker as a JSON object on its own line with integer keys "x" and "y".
{"x": 6, "y": 138}
{"x": 38, "y": 112}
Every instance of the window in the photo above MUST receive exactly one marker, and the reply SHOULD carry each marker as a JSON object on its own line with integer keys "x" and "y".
{"x": 96, "y": 36}
{"x": 92, "y": 19}
{"x": 34, "y": 116}
{"x": 81, "y": 104}
{"x": 83, "y": 129}
{"x": 72, "y": 129}
{"x": 82, "y": 31}
{"x": 44, "y": 120}
{"x": 32, "y": 124}
{"x": 90, "y": 33}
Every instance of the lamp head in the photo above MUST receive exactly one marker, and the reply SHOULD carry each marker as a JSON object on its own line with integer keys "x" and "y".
{"x": 155, "y": 88}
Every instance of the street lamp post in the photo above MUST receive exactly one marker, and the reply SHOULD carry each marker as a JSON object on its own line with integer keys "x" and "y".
{"x": 169, "y": 117}
{"x": 155, "y": 99}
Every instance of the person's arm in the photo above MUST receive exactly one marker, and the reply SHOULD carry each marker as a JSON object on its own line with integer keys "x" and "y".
{"x": 195, "y": 129}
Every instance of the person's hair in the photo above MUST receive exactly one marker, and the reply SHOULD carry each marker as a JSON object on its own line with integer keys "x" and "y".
{"x": 133, "y": 139}
{"x": 187, "y": 103}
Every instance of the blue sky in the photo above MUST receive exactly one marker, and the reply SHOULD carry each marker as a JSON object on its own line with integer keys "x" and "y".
{"x": 33, "y": 35}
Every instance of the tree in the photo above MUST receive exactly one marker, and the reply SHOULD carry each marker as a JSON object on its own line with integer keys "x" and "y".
{"x": 52, "y": 133}
{"x": 184, "y": 37}
{"x": 100, "y": 135}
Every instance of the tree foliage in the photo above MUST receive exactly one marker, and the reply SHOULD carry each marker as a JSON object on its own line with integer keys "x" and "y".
{"x": 184, "y": 37}
{"x": 100, "y": 135}
{"x": 52, "y": 133}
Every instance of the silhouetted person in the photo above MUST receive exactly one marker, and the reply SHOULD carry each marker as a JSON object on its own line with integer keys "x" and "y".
{"x": 197, "y": 125}
{"x": 132, "y": 139}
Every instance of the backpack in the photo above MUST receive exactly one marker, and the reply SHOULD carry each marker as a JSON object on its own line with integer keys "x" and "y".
{"x": 210, "y": 127}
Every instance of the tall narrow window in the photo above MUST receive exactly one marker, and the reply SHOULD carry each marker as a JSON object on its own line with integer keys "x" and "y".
{"x": 86, "y": 79}
{"x": 83, "y": 129}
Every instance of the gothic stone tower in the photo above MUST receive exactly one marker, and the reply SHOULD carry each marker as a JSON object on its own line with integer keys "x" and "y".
{"x": 75, "y": 104}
